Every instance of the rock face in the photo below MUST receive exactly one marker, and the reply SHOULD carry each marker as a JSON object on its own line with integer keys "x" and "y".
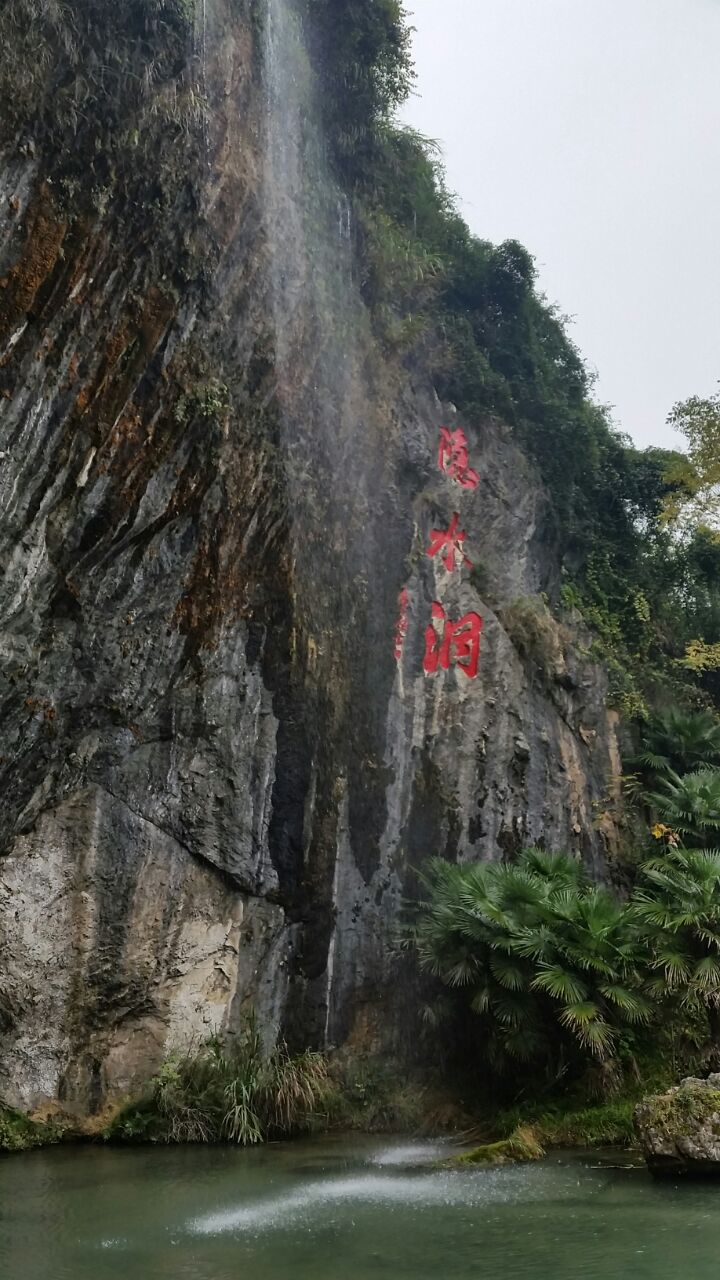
{"x": 214, "y": 484}
{"x": 679, "y": 1131}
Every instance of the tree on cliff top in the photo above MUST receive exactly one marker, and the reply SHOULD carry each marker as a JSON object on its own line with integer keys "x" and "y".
{"x": 696, "y": 475}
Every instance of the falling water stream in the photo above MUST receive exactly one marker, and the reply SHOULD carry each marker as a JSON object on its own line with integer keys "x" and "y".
{"x": 365, "y": 1209}
{"x": 329, "y": 416}
{"x": 201, "y": 56}
{"x": 316, "y": 316}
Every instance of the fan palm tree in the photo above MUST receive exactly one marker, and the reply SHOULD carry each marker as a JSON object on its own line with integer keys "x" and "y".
{"x": 547, "y": 961}
{"x": 678, "y": 741}
{"x": 677, "y": 903}
{"x": 689, "y": 805}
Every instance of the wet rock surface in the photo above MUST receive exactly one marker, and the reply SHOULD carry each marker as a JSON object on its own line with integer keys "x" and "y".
{"x": 679, "y": 1131}
{"x": 216, "y": 778}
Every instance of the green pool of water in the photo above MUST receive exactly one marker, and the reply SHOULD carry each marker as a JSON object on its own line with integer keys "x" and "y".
{"x": 344, "y": 1210}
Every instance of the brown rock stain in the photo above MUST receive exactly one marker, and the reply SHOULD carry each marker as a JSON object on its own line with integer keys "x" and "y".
{"x": 43, "y": 244}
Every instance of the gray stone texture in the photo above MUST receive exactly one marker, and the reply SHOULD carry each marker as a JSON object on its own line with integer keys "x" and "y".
{"x": 216, "y": 780}
{"x": 679, "y": 1131}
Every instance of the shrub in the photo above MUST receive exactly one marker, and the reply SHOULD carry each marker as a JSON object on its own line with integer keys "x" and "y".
{"x": 690, "y": 805}
{"x": 550, "y": 965}
{"x": 675, "y": 741}
{"x": 238, "y": 1094}
{"x": 19, "y": 1133}
{"x": 367, "y": 1095}
{"x": 535, "y": 634}
{"x": 678, "y": 902}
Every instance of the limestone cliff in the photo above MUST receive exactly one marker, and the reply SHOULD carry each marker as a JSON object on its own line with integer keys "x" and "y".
{"x": 214, "y": 484}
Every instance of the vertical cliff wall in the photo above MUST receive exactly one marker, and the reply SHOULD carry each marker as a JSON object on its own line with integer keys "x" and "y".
{"x": 217, "y": 774}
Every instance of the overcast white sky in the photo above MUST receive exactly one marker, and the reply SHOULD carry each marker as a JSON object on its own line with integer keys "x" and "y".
{"x": 590, "y": 131}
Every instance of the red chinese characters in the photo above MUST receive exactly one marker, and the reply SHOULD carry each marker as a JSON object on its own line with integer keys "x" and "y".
{"x": 402, "y": 623}
{"x": 448, "y": 643}
{"x": 449, "y": 545}
{"x": 454, "y": 459}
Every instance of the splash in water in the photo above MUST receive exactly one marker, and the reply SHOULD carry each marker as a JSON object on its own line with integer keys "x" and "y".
{"x": 452, "y": 1189}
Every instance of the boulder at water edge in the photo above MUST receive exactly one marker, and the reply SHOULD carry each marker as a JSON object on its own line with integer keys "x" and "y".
{"x": 679, "y": 1131}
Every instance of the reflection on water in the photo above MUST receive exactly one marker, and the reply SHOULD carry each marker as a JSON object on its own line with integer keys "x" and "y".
{"x": 356, "y": 1209}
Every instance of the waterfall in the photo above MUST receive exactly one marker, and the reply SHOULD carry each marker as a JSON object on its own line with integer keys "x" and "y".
{"x": 200, "y": 53}
{"x": 317, "y": 319}
{"x": 308, "y": 219}
{"x": 324, "y": 406}
{"x": 284, "y": 194}
{"x": 344, "y": 218}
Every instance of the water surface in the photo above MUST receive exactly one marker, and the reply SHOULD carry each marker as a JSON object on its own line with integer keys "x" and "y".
{"x": 344, "y": 1210}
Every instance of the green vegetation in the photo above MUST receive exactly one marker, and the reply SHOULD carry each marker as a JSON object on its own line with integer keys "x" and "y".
{"x": 677, "y": 894}
{"x": 676, "y": 742}
{"x": 109, "y": 98}
{"x": 362, "y": 52}
{"x": 548, "y": 963}
{"x": 678, "y": 901}
{"x": 88, "y": 68}
{"x": 550, "y": 970}
{"x": 596, "y": 1110}
{"x": 573, "y": 1123}
{"x": 522, "y": 1144}
{"x": 242, "y": 1094}
{"x": 561, "y": 974}
{"x": 367, "y": 1095}
{"x": 228, "y": 1094}
{"x": 605, "y": 1124}
{"x": 237, "y": 1092}
{"x": 696, "y": 495}
{"x": 534, "y": 1130}
{"x": 208, "y": 401}
{"x": 536, "y": 635}
{"x": 690, "y": 804}
{"x": 19, "y": 1133}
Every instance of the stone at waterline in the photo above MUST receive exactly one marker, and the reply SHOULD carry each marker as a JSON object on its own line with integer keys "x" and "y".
{"x": 679, "y": 1130}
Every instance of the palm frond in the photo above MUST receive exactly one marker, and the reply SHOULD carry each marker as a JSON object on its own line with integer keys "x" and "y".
{"x": 560, "y": 983}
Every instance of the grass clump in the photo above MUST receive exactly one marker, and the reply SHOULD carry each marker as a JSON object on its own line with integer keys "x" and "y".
{"x": 574, "y": 1122}
{"x": 366, "y": 1096}
{"x": 523, "y": 1144}
{"x": 538, "y": 638}
{"x": 19, "y": 1132}
{"x": 607, "y": 1124}
{"x": 531, "y": 1131}
{"x": 228, "y": 1094}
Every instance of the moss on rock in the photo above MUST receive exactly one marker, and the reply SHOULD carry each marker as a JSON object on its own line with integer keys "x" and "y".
{"x": 679, "y": 1130}
{"x": 19, "y": 1132}
{"x": 522, "y": 1145}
